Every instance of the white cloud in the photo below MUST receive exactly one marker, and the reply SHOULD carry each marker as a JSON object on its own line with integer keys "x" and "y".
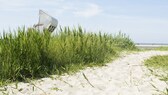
{"x": 90, "y": 11}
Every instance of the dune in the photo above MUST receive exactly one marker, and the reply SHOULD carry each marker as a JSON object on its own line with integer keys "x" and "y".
{"x": 126, "y": 75}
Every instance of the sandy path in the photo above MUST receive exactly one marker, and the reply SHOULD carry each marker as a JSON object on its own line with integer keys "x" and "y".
{"x": 124, "y": 76}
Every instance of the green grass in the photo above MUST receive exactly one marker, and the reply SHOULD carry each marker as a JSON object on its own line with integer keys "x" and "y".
{"x": 158, "y": 65}
{"x": 28, "y": 53}
{"x": 158, "y": 62}
{"x": 162, "y": 48}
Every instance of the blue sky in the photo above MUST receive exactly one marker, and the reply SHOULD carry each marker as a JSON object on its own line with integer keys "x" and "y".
{"x": 143, "y": 20}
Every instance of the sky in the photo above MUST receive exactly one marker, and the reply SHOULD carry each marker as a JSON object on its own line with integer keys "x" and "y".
{"x": 145, "y": 21}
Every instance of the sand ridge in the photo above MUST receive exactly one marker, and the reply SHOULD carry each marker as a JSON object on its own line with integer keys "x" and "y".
{"x": 125, "y": 76}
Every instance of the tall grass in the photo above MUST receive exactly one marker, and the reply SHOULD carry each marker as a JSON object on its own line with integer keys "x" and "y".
{"x": 23, "y": 54}
{"x": 31, "y": 54}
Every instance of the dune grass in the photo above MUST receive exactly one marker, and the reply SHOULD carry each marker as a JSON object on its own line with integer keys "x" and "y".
{"x": 158, "y": 65}
{"x": 28, "y": 53}
{"x": 158, "y": 62}
{"x": 165, "y": 48}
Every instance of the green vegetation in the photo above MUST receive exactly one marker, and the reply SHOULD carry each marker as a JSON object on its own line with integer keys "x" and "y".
{"x": 162, "y": 48}
{"x": 33, "y": 54}
{"x": 158, "y": 65}
{"x": 158, "y": 62}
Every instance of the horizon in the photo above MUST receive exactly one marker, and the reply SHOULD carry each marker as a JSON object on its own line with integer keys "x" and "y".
{"x": 145, "y": 21}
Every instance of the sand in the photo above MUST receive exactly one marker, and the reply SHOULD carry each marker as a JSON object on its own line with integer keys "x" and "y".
{"x": 126, "y": 75}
